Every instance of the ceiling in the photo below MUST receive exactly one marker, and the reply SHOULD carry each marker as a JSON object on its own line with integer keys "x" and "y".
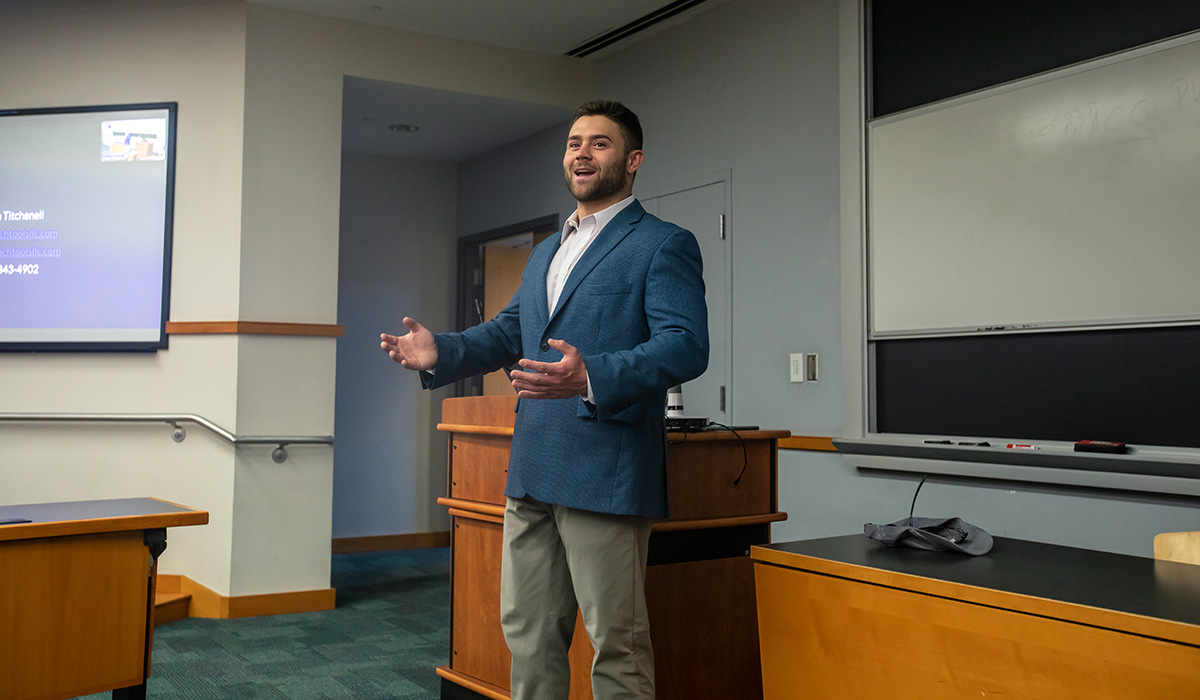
{"x": 450, "y": 123}
{"x": 544, "y": 26}
{"x": 453, "y": 126}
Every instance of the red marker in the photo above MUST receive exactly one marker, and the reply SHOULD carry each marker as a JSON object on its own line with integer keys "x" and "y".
{"x": 1020, "y": 446}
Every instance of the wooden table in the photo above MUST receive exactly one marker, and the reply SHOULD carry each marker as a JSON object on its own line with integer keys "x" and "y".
{"x": 699, "y": 580}
{"x": 846, "y": 617}
{"x": 77, "y": 595}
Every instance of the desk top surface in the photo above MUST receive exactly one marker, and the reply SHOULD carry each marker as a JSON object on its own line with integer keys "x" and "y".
{"x": 83, "y": 517}
{"x": 1118, "y": 582}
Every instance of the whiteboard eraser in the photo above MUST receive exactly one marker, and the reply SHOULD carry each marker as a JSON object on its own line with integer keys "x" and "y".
{"x": 1100, "y": 446}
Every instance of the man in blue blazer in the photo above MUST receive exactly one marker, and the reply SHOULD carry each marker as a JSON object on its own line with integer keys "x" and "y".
{"x": 609, "y": 315}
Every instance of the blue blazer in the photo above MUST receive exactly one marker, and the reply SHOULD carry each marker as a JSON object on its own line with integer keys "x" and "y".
{"x": 634, "y": 307}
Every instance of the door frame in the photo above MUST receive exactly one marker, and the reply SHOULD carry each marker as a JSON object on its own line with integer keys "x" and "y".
{"x": 719, "y": 177}
{"x": 469, "y": 286}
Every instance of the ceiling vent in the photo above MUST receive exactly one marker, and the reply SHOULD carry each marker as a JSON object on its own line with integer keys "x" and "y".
{"x": 611, "y": 37}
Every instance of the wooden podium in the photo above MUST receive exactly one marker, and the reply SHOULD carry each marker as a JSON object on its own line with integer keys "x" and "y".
{"x": 699, "y": 583}
{"x": 77, "y": 595}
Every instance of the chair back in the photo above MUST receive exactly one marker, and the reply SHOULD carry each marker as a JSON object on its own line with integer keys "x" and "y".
{"x": 1178, "y": 546}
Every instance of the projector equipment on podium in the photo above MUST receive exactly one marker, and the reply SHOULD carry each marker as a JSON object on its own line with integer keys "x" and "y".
{"x": 676, "y": 420}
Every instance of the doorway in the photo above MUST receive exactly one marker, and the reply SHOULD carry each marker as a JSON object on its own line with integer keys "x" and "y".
{"x": 489, "y": 272}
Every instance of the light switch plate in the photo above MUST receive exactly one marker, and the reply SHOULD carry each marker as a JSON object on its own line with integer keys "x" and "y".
{"x": 797, "y": 367}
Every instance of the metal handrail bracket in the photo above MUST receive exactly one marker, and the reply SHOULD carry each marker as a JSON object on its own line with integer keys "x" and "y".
{"x": 279, "y": 454}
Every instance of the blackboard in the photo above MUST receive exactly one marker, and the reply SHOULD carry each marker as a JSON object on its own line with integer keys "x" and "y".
{"x": 1138, "y": 384}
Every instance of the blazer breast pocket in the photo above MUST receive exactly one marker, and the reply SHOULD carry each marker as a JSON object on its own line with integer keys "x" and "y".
{"x": 606, "y": 288}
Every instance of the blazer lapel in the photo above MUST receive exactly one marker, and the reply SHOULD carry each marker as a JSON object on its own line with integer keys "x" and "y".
{"x": 539, "y": 280}
{"x": 616, "y": 230}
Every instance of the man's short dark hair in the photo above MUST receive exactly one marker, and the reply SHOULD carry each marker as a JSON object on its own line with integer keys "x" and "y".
{"x": 625, "y": 119}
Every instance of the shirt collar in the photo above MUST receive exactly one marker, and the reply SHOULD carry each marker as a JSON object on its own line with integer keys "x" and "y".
{"x": 601, "y": 217}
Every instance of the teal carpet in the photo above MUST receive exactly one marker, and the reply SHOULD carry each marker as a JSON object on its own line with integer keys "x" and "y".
{"x": 389, "y": 631}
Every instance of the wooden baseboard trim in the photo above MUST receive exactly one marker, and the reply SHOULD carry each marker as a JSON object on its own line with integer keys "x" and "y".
{"x": 170, "y": 607}
{"x": 383, "y": 543}
{"x": 324, "y": 330}
{"x": 167, "y": 583}
{"x": 210, "y": 604}
{"x": 807, "y": 442}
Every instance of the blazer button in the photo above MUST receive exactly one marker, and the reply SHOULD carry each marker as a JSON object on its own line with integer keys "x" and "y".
{"x": 545, "y": 347}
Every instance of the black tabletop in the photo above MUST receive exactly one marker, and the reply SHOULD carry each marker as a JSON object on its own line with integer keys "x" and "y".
{"x": 1136, "y": 585}
{"x": 89, "y": 510}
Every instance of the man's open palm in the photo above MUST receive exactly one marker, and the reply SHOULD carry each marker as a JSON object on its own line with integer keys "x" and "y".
{"x": 415, "y": 350}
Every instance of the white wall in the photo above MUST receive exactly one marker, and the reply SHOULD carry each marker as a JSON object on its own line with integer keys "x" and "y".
{"x": 256, "y": 239}
{"x": 517, "y": 182}
{"x": 399, "y": 219}
{"x": 763, "y": 88}
{"x": 769, "y": 90}
{"x": 397, "y": 259}
{"x": 295, "y": 67}
{"x": 760, "y": 86}
{"x": 751, "y": 86}
{"x": 73, "y": 53}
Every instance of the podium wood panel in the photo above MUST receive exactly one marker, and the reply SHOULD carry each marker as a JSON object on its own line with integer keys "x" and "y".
{"x": 478, "y": 648}
{"x": 480, "y": 467}
{"x": 716, "y": 596}
{"x": 716, "y": 479}
{"x": 492, "y": 411}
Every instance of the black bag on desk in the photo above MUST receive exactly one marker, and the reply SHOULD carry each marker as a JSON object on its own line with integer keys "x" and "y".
{"x": 950, "y": 534}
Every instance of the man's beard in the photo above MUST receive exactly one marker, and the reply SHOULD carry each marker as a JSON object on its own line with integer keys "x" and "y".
{"x": 605, "y": 185}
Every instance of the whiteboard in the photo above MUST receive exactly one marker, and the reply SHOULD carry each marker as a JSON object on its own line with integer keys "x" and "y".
{"x": 1069, "y": 199}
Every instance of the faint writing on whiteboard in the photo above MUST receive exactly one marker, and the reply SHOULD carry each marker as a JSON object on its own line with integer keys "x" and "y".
{"x": 1186, "y": 91}
{"x": 1103, "y": 122}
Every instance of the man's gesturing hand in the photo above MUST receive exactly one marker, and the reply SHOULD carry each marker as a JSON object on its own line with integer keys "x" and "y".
{"x": 553, "y": 380}
{"x": 414, "y": 350}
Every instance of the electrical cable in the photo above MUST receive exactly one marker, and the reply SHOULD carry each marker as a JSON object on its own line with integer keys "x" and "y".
{"x": 745, "y": 456}
{"x": 913, "y": 507}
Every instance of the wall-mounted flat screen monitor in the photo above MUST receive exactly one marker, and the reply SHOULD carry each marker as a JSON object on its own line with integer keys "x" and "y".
{"x": 86, "y": 208}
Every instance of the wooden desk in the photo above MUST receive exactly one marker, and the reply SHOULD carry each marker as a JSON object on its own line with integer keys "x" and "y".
{"x": 77, "y": 595}
{"x": 846, "y": 617}
{"x": 699, "y": 583}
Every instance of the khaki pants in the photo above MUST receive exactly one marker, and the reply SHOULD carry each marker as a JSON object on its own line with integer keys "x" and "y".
{"x": 557, "y": 560}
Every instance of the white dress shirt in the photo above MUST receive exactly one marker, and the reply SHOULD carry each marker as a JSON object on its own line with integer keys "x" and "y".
{"x": 577, "y": 236}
